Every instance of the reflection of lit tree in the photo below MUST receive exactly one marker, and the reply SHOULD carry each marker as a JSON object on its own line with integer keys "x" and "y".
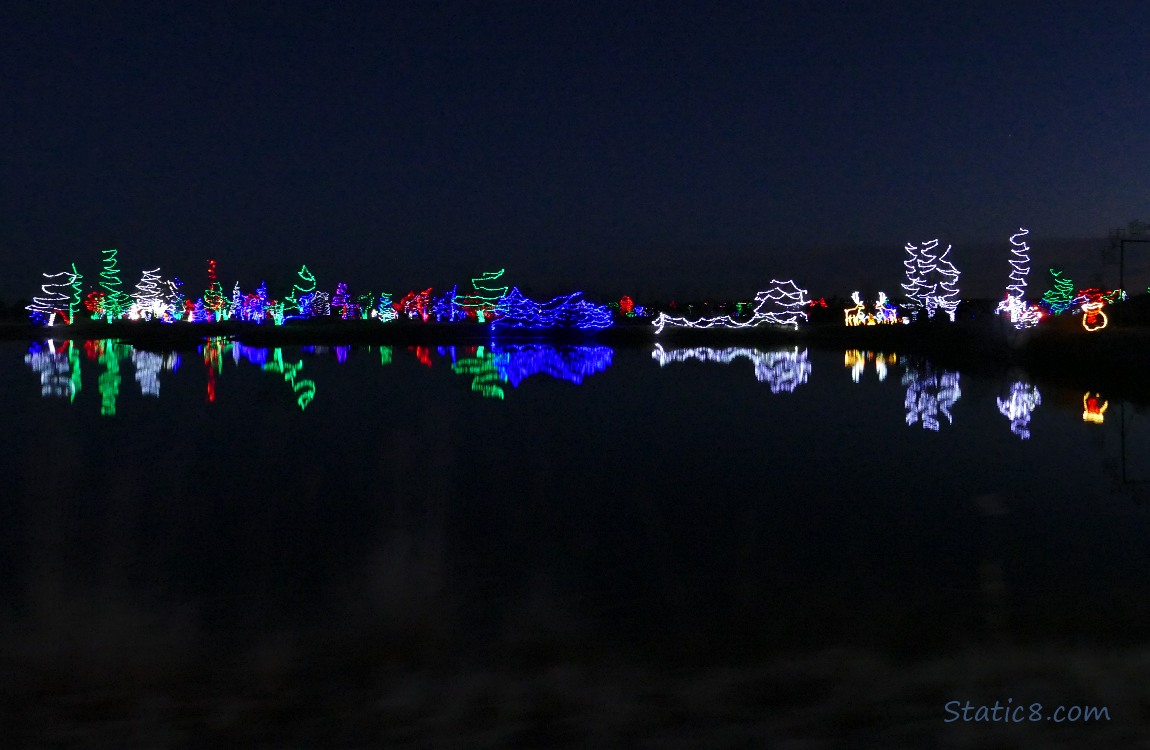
{"x": 303, "y": 389}
{"x": 54, "y": 366}
{"x": 929, "y": 394}
{"x": 782, "y": 370}
{"x": 485, "y": 377}
{"x": 1018, "y": 406}
{"x": 110, "y": 353}
{"x": 148, "y": 366}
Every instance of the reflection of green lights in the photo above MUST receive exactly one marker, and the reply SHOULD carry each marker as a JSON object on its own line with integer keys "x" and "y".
{"x": 74, "y": 367}
{"x": 109, "y": 381}
{"x": 485, "y": 375}
{"x": 385, "y": 354}
{"x": 303, "y": 389}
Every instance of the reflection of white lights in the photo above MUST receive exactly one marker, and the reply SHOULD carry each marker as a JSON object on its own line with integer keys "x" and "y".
{"x": 54, "y": 369}
{"x": 1018, "y": 406}
{"x": 783, "y": 371}
{"x": 148, "y": 366}
{"x": 929, "y": 394}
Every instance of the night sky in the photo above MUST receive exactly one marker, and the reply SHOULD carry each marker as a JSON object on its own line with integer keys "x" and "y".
{"x": 652, "y": 148}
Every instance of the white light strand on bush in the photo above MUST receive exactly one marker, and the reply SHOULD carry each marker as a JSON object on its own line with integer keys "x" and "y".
{"x": 1018, "y": 406}
{"x": 782, "y": 304}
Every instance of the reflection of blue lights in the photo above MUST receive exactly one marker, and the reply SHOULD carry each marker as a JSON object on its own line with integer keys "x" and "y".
{"x": 517, "y": 363}
{"x": 783, "y": 371}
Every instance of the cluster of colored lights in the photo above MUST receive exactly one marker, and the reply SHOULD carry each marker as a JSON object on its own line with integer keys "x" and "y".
{"x": 781, "y": 304}
{"x": 856, "y": 360}
{"x": 884, "y": 312}
{"x": 1092, "y": 301}
{"x": 783, "y": 370}
{"x": 1018, "y": 406}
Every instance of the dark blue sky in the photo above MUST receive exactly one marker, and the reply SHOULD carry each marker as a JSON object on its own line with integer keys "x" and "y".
{"x": 655, "y": 147}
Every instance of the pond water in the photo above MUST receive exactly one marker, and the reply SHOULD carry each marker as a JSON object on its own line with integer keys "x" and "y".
{"x": 249, "y": 533}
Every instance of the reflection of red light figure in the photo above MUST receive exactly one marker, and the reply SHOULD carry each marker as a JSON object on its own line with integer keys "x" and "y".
{"x": 1092, "y": 410}
{"x": 93, "y": 350}
{"x": 423, "y": 354}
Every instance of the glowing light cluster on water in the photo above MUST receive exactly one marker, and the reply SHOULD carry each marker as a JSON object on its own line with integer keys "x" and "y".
{"x": 929, "y": 394}
{"x": 856, "y": 360}
{"x": 783, "y": 371}
{"x": 1018, "y": 407}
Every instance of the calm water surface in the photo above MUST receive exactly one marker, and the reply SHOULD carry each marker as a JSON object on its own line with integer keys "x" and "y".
{"x": 329, "y": 515}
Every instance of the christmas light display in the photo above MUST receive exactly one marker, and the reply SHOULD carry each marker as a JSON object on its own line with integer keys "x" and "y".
{"x": 1094, "y": 408}
{"x": 1018, "y": 406}
{"x": 54, "y": 366}
{"x": 415, "y": 304}
{"x": 447, "y": 309}
{"x": 782, "y": 370}
{"x": 483, "y": 302}
{"x": 146, "y": 303}
{"x": 115, "y": 302}
{"x": 1060, "y": 297}
{"x": 215, "y": 303}
{"x": 1014, "y": 305}
{"x": 308, "y": 287}
{"x": 856, "y": 360}
{"x": 54, "y": 302}
{"x": 1093, "y": 319}
{"x": 385, "y": 311}
{"x": 627, "y": 306}
{"x": 915, "y": 287}
{"x": 782, "y": 304}
{"x": 856, "y": 315}
{"x": 76, "y": 298}
{"x": 385, "y": 355}
{"x": 929, "y": 394}
{"x": 884, "y": 311}
{"x": 568, "y": 311}
{"x": 948, "y": 300}
{"x": 173, "y": 300}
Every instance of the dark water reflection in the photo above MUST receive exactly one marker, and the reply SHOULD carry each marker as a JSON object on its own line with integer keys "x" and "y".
{"x": 458, "y": 542}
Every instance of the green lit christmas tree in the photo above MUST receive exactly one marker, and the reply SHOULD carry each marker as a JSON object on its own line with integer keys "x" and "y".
{"x": 116, "y": 302}
{"x": 1060, "y": 297}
